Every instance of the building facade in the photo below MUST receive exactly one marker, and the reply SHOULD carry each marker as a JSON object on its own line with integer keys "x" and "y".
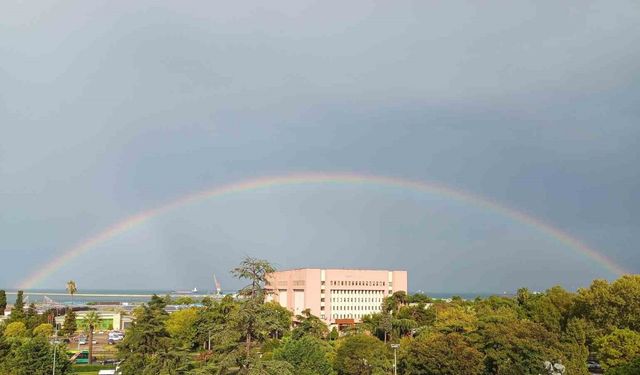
{"x": 335, "y": 295}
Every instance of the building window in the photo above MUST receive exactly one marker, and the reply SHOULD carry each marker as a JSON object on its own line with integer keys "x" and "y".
{"x": 321, "y": 282}
{"x": 321, "y": 299}
{"x": 322, "y": 308}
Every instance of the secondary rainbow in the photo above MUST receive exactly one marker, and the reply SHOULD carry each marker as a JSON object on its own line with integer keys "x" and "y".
{"x": 317, "y": 178}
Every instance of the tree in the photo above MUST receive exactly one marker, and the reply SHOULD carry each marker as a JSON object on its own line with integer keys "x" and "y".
{"x": 34, "y": 356}
{"x": 419, "y": 298}
{"x": 3, "y": 302}
{"x": 17, "y": 312}
{"x": 618, "y": 348}
{"x": 147, "y": 347}
{"x": 277, "y": 319}
{"x": 257, "y": 272}
{"x": 181, "y": 325}
{"x": 334, "y": 334}
{"x": 91, "y": 320}
{"x": 631, "y": 368}
{"x": 15, "y": 329}
{"x": 32, "y": 319}
{"x": 307, "y": 355}
{"x": 309, "y": 324}
{"x": 361, "y": 355}
{"x": 71, "y": 289}
{"x": 183, "y": 300}
{"x": 442, "y": 354}
{"x": 271, "y": 368}
{"x": 518, "y": 347}
{"x": 455, "y": 318}
{"x": 44, "y": 330}
{"x": 70, "y": 325}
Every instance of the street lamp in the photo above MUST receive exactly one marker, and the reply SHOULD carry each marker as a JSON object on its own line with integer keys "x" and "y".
{"x": 395, "y": 358}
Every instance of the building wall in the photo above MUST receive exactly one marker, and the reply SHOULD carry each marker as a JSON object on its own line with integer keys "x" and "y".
{"x": 335, "y": 293}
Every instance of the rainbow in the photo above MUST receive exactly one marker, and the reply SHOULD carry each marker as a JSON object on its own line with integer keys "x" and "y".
{"x": 317, "y": 178}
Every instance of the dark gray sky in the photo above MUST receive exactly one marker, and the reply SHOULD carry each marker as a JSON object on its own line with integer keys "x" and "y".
{"x": 108, "y": 109}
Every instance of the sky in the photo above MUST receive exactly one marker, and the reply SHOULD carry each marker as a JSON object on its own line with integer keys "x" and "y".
{"x": 108, "y": 109}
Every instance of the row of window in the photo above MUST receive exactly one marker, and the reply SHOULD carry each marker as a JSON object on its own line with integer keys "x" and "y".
{"x": 356, "y": 308}
{"x": 340, "y": 291}
{"x": 367, "y": 299}
{"x": 358, "y": 283}
{"x": 347, "y": 316}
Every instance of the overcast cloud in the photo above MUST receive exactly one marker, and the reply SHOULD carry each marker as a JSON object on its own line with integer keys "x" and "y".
{"x": 110, "y": 108}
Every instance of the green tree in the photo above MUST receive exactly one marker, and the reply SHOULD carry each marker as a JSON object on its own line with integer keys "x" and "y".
{"x": 72, "y": 289}
{"x": 34, "y": 356}
{"x": 32, "y": 319}
{"x": 362, "y": 355}
{"x": 309, "y": 324}
{"x": 455, "y": 318}
{"x": 334, "y": 334}
{"x": 256, "y": 271}
{"x": 442, "y": 354}
{"x": 44, "y": 330}
{"x": 277, "y": 319}
{"x": 631, "y": 368}
{"x": 70, "y": 325}
{"x": 518, "y": 347}
{"x": 17, "y": 312}
{"x": 3, "y": 301}
{"x": 147, "y": 347}
{"x": 183, "y": 300}
{"x": 15, "y": 329}
{"x": 181, "y": 325}
{"x": 419, "y": 298}
{"x": 308, "y": 355}
{"x": 91, "y": 320}
{"x": 618, "y": 348}
{"x": 271, "y": 368}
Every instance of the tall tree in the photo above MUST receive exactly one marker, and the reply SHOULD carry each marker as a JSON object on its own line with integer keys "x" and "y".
{"x": 69, "y": 326}
{"x": 17, "y": 312}
{"x": 3, "y": 301}
{"x": 71, "y": 289}
{"x": 32, "y": 319}
{"x": 256, "y": 271}
{"x": 91, "y": 320}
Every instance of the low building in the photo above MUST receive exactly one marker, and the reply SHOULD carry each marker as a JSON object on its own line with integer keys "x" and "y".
{"x": 335, "y": 295}
{"x": 109, "y": 320}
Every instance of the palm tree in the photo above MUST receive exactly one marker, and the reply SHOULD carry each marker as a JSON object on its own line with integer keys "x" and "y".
{"x": 91, "y": 319}
{"x": 71, "y": 289}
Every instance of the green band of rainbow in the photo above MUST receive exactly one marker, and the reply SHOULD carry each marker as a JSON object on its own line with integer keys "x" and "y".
{"x": 318, "y": 178}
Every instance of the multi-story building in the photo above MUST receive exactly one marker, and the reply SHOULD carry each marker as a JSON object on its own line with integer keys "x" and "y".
{"x": 335, "y": 295}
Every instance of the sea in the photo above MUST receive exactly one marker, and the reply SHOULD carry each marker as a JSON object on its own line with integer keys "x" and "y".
{"x": 134, "y": 296}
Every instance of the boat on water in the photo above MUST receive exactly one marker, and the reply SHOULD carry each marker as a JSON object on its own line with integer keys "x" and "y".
{"x": 192, "y": 291}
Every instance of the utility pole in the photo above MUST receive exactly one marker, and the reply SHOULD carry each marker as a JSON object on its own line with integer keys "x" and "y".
{"x": 55, "y": 347}
{"x": 395, "y": 358}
